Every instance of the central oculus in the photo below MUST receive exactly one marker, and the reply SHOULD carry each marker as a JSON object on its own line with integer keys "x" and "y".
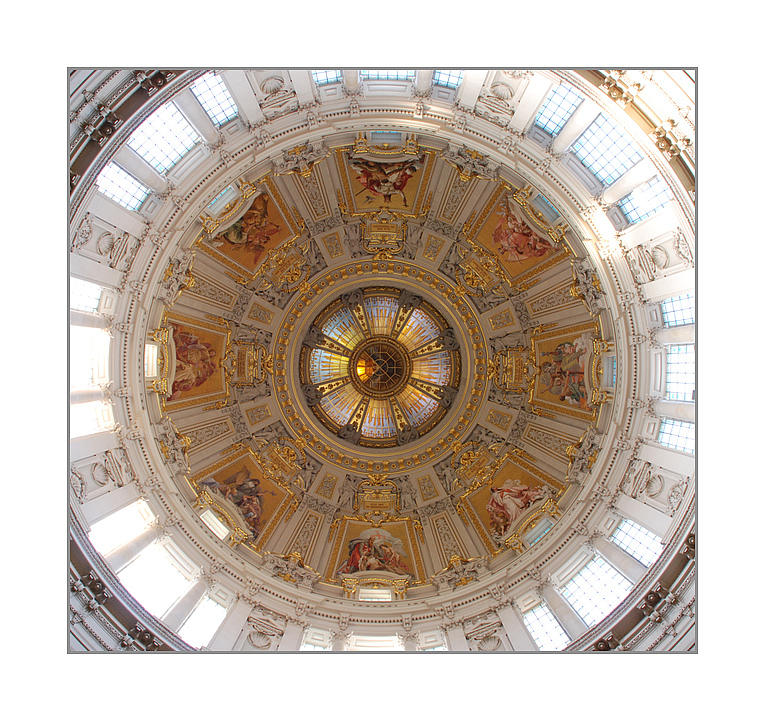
{"x": 379, "y": 367}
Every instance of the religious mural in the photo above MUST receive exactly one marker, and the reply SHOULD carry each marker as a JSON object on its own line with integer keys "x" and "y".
{"x": 367, "y": 548}
{"x": 393, "y": 182}
{"x": 509, "y": 496}
{"x": 564, "y": 362}
{"x": 259, "y": 230}
{"x": 243, "y": 492}
{"x": 509, "y": 231}
{"x": 195, "y": 351}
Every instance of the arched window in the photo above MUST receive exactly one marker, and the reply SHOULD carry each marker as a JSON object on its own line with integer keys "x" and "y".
{"x": 558, "y": 108}
{"x": 164, "y": 138}
{"x": 214, "y": 97}
{"x": 606, "y": 150}
{"x": 639, "y": 542}
{"x": 680, "y": 435}
{"x": 121, "y": 187}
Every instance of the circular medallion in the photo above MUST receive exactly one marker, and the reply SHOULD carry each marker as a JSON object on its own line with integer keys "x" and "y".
{"x": 380, "y": 367}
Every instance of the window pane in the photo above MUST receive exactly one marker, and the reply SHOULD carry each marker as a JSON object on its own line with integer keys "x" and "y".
{"x": 388, "y": 74}
{"x": 679, "y": 310}
{"x": 120, "y": 527}
{"x": 596, "y": 590}
{"x": 678, "y": 434}
{"x": 544, "y": 628}
{"x": 88, "y": 356}
{"x": 606, "y": 150}
{"x": 83, "y": 295}
{"x": 154, "y": 581}
{"x": 214, "y": 97}
{"x": 558, "y": 108}
{"x": 645, "y": 200}
{"x": 448, "y": 78}
{"x": 87, "y": 418}
{"x": 121, "y": 187}
{"x": 325, "y": 77}
{"x": 203, "y": 622}
{"x": 637, "y": 541}
{"x": 164, "y": 138}
{"x": 681, "y": 373}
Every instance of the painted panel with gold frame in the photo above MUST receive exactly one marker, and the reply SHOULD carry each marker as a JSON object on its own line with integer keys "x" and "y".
{"x": 195, "y": 350}
{"x": 516, "y": 491}
{"x": 245, "y": 497}
{"x": 519, "y": 236}
{"x": 264, "y": 225}
{"x": 563, "y": 381}
{"x": 379, "y": 179}
{"x": 389, "y": 547}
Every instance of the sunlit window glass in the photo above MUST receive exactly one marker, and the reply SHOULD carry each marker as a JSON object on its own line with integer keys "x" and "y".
{"x": 681, "y": 373}
{"x": 214, "y": 97}
{"x": 596, "y": 590}
{"x": 679, "y": 310}
{"x": 639, "y": 542}
{"x": 558, "y": 108}
{"x": 448, "y": 78}
{"x": 544, "y": 628}
{"x": 678, "y": 434}
{"x": 387, "y": 74}
{"x": 606, "y": 150}
{"x": 326, "y": 77}
{"x": 83, "y": 295}
{"x": 645, "y": 200}
{"x": 164, "y": 138}
{"x": 121, "y": 187}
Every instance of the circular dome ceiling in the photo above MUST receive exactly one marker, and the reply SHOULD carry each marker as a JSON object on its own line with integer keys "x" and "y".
{"x": 380, "y": 367}
{"x": 411, "y": 324}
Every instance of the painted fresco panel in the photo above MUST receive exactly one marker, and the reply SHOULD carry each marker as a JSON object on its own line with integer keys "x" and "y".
{"x": 511, "y": 233}
{"x": 197, "y": 349}
{"x": 242, "y": 489}
{"x": 501, "y": 503}
{"x": 564, "y": 378}
{"x": 366, "y": 548}
{"x": 376, "y": 182}
{"x": 260, "y": 229}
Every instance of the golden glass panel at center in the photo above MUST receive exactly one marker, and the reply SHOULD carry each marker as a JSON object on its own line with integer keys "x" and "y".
{"x": 379, "y": 367}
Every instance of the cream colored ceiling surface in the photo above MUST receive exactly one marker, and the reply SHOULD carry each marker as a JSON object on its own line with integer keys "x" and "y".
{"x": 399, "y": 342}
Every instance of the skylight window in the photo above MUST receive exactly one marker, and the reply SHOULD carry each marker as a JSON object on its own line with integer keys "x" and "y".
{"x": 154, "y": 581}
{"x": 558, "y": 108}
{"x": 448, "y": 78}
{"x": 84, "y": 296}
{"x": 326, "y": 77}
{"x": 679, "y": 310}
{"x": 639, "y": 542}
{"x": 544, "y": 628}
{"x": 606, "y": 150}
{"x": 164, "y": 138}
{"x": 121, "y": 187}
{"x": 387, "y": 74}
{"x": 214, "y": 97}
{"x": 681, "y": 372}
{"x": 678, "y": 434}
{"x": 120, "y": 527}
{"x": 203, "y": 622}
{"x": 645, "y": 200}
{"x": 596, "y": 590}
